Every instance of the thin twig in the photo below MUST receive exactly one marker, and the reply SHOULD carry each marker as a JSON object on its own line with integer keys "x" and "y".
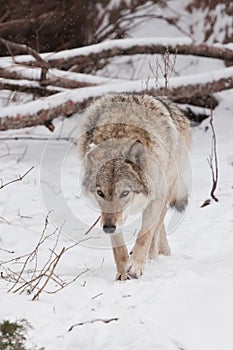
{"x": 51, "y": 272}
{"x": 4, "y": 220}
{"x": 213, "y": 159}
{"x": 23, "y": 154}
{"x": 96, "y": 296}
{"x": 106, "y": 320}
{"x": 18, "y": 179}
{"x": 34, "y": 138}
{"x": 44, "y": 65}
{"x": 7, "y": 251}
{"x": 68, "y": 283}
{"x": 93, "y": 225}
{"x": 40, "y": 277}
{"x": 167, "y": 68}
{"x": 31, "y": 255}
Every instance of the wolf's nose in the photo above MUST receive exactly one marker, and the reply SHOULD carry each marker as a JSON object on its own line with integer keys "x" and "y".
{"x": 109, "y": 228}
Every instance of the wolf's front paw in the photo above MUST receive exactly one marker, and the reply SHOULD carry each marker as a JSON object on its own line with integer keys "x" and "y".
{"x": 135, "y": 269}
{"x": 122, "y": 276}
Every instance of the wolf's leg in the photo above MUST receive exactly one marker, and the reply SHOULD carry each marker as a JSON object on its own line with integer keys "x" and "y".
{"x": 120, "y": 255}
{"x": 154, "y": 247}
{"x": 159, "y": 244}
{"x": 151, "y": 219}
{"x": 139, "y": 255}
{"x": 163, "y": 244}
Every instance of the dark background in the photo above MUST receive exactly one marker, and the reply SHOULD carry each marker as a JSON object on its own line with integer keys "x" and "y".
{"x": 59, "y": 24}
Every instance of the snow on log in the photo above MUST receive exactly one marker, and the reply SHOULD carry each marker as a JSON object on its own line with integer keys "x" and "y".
{"x": 117, "y": 44}
{"x": 114, "y": 48}
{"x": 181, "y": 89}
{"x": 31, "y": 74}
{"x": 55, "y": 76}
{"x": 27, "y": 86}
{"x": 92, "y": 54}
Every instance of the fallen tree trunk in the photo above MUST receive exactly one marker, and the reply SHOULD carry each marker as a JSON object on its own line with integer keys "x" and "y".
{"x": 41, "y": 117}
{"x": 31, "y": 87}
{"x": 85, "y": 63}
{"x": 196, "y": 94}
{"x": 89, "y": 57}
{"x": 41, "y": 112}
{"x": 55, "y": 77}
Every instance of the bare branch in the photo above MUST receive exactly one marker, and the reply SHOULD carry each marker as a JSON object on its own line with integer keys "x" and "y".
{"x": 27, "y": 86}
{"x": 35, "y": 138}
{"x": 33, "y": 278}
{"x": 68, "y": 103}
{"x": 213, "y": 159}
{"x": 166, "y": 69}
{"x": 65, "y": 284}
{"x": 118, "y": 48}
{"x": 12, "y": 78}
{"x": 55, "y": 77}
{"x": 93, "y": 225}
{"x": 104, "y": 320}
{"x": 44, "y": 65}
{"x": 50, "y": 274}
{"x": 41, "y": 117}
{"x": 26, "y": 49}
{"x": 96, "y": 296}
{"x": 213, "y": 163}
{"x": 19, "y": 178}
{"x": 4, "y": 220}
{"x": 7, "y": 251}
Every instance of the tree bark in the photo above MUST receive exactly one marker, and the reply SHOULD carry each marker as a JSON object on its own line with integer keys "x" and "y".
{"x": 27, "y": 86}
{"x": 39, "y": 118}
{"x": 13, "y": 79}
{"x": 196, "y": 94}
{"x": 89, "y": 62}
{"x": 181, "y": 94}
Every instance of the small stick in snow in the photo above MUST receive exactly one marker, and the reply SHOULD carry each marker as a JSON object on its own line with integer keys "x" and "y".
{"x": 55, "y": 262}
{"x": 23, "y": 154}
{"x": 108, "y": 320}
{"x": 4, "y": 220}
{"x": 34, "y": 278}
{"x": 93, "y": 225}
{"x": 96, "y": 296}
{"x": 35, "y": 138}
{"x": 7, "y": 251}
{"x": 213, "y": 162}
{"x": 65, "y": 284}
{"x": 206, "y": 202}
{"x": 213, "y": 159}
{"x": 20, "y": 177}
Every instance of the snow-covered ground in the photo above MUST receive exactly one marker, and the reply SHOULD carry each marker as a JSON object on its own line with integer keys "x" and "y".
{"x": 181, "y": 302}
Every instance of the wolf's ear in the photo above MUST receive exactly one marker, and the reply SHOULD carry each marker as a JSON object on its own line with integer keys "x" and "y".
{"x": 135, "y": 152}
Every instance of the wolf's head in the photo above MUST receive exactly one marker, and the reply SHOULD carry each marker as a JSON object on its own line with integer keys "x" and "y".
{"x": 115, "y": 179}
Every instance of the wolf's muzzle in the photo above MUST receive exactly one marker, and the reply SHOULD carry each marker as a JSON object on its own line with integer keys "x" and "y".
{"x": 109, "y": 228}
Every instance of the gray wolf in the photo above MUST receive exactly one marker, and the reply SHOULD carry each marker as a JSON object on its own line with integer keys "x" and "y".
{"x": 134, "y": 148}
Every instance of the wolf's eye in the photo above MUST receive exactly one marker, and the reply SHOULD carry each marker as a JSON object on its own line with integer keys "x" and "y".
{"x": 100, "y": 193}
{"x": 124, "y": 194}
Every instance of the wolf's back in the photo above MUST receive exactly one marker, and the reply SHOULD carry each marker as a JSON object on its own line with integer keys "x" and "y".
{"x": 140, "y": 117}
